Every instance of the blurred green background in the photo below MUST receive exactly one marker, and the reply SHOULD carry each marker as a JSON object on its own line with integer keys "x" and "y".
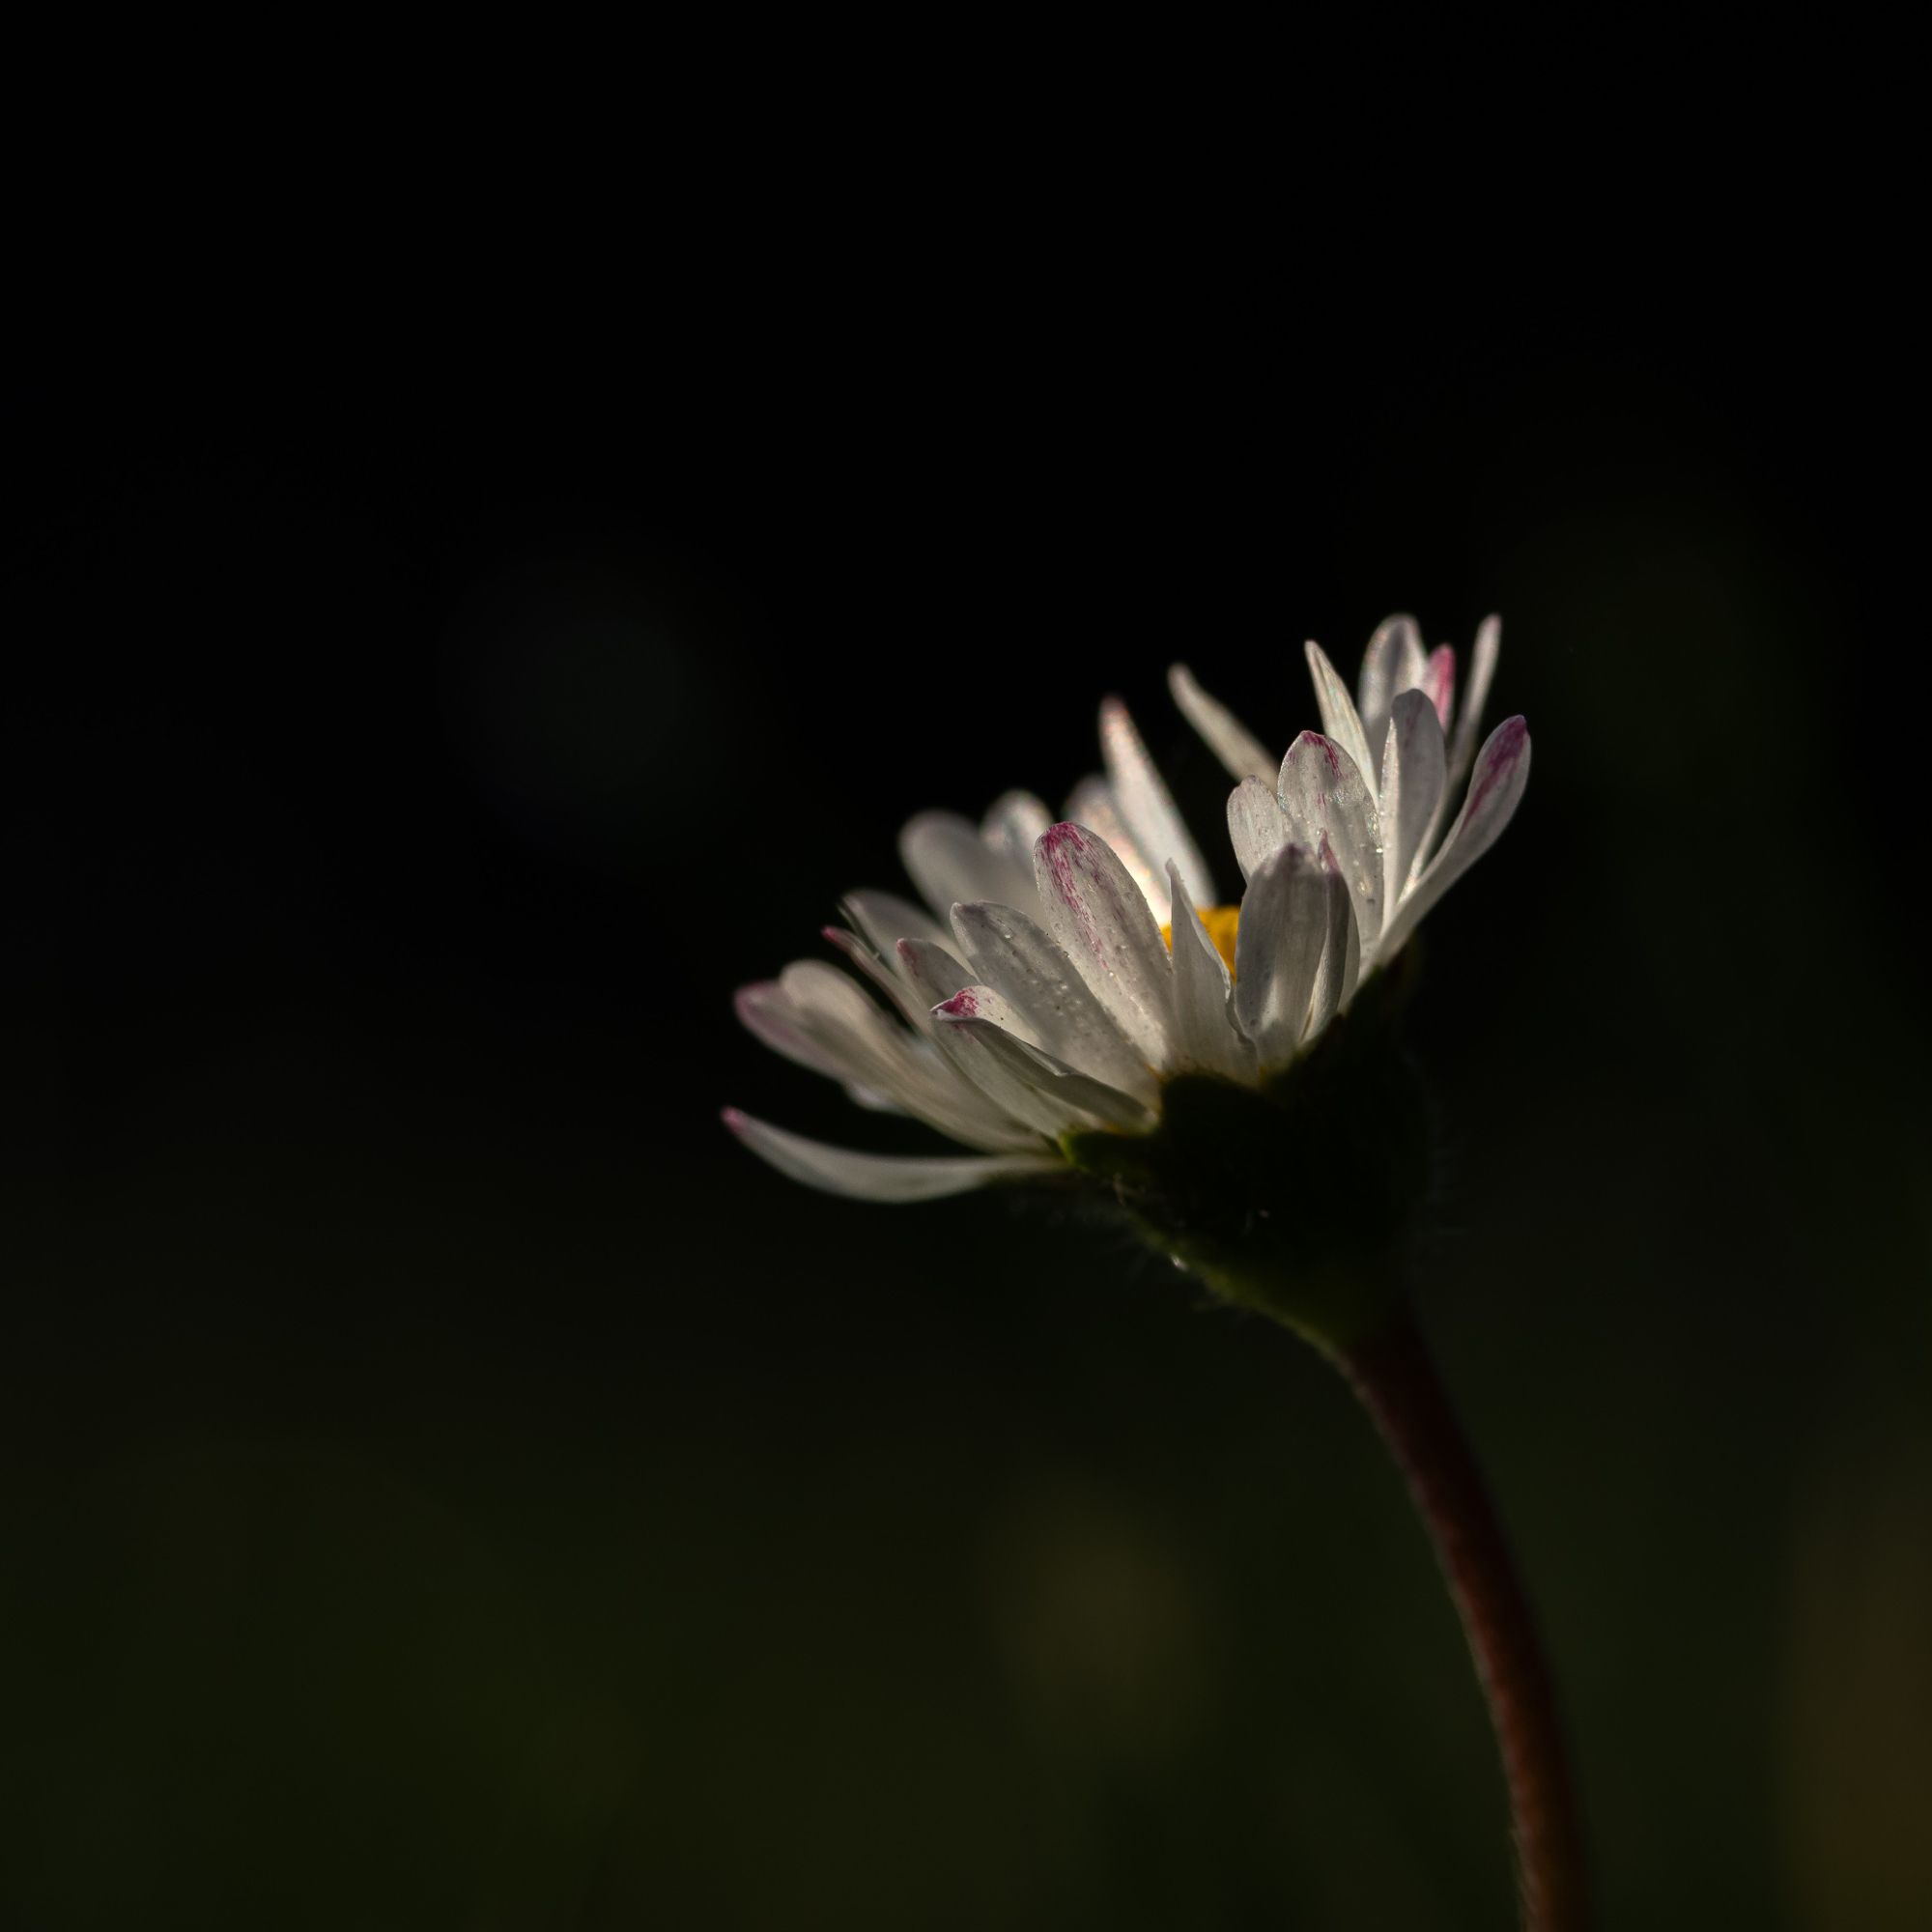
{"x": 444, "y": 1481}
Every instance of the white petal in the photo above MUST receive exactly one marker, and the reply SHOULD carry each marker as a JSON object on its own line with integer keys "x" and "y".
{"x": 1325, "y": 794}
{"x": 1439, "y": 679}
{"x": 883, "y": 919}
{"x": 821, "y": 992}
{"x": 1287, "y": 918}
{"x": 946, "y": 860}
{"x": 1016, "y": 1097}
{"x": 1226, "y": 736}
{"x": 1102, "y": 921}
{"x": 1340, "y": 718}
{"x": 1411, "y": 663}
{"x": 1205, "y": 1036}
{"x": 1011, "y": 955}
{"x": 1411, "y": 790}
{"x": 976, "y": 1001}
{"x": 911, "y": 1007}
{"x": 869, "y": 1050}
{"x": 1496, "y": 789}
{"x": 765, "y": 1010}
{"x": 873, "y": 1176}
{"x": 1030, "y": 1083}
{"x": 1012, "y": 823}
{"x": 1256, "y": 828}
{"x": 1092, "y": 805}
{"x": 1392, "y": 662}
{"x": 931, "y": 974}
{"x": 1145, "y": 802}
{"x": 771, "y": 1015}
{"x": 1476, "y": 694}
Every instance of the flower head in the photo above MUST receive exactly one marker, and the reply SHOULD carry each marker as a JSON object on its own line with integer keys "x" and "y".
{"x": 1071, "y": 977}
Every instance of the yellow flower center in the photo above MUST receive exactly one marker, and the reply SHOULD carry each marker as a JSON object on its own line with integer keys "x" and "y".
{"x": 1220, "y": 922}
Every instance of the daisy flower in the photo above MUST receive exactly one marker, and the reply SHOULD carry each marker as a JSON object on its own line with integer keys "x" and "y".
{"x": 1072, "y": 999}
{"x": 1065, "y": 974}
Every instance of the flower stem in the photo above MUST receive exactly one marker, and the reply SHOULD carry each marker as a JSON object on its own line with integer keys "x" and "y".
{"x": 1397, "y": 1386}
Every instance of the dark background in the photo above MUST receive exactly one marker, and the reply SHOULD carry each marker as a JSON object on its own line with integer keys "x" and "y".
{"x": 444, "y": 1481}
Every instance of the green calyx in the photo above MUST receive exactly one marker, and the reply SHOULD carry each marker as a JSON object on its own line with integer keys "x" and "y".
{"x": 1297, "y": 1199}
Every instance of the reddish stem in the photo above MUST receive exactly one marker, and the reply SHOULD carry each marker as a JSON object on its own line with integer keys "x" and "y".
{"x": 1397, "y": 1386}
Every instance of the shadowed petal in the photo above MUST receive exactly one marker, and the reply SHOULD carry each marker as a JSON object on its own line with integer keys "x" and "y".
{"x": 1024, "y": 1079}
{"x": 1286, "y": 921}
{"x": 1411, "y": 790}
{"x": 765, "y": 1011}
{"x": 888, "y": 981}
{"x": 946, "y": 860}
{"x": 1205, "y": 1036}
{"x": 1476, "y": 694}
{"x": 883, "y": 919}
{"x": 1341, "y": 957}
{"x": 874, "y": 1177}
{"x": 1012, "y": 823}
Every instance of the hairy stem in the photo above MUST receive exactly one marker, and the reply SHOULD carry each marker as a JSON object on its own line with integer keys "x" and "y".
{"x": 1397, "y": 1386}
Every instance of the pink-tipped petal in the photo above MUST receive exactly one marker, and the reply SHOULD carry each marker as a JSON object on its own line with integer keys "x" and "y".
{"x": 1438, "y": 680}
{"x": 976, "y": 1001}
{"x": 1092, "y": 805}
{"x": 1102, "y": 922}
{"x": 1496, "y": 790}
{"x": 931, "y": 974}
{"x": 957, "y": 1031}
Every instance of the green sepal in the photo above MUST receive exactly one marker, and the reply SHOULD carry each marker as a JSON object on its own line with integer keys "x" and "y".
{"x": 1297, "y": 1199}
